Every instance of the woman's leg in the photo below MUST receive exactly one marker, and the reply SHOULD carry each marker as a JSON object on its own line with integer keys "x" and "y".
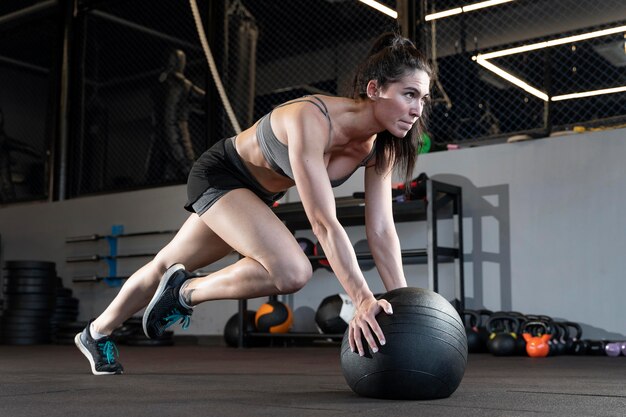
{"x": 272, "y": 260}
{"x": 195, "y": 245}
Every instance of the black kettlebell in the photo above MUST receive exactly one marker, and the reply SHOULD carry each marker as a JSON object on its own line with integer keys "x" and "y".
{"x": 520, "y": 348}
{"x": 502, "y": 336}
{"x": 484, "y": 315}
{"x": 576, "y": 346}
{"x": 562, "y": 337}
{"x": 596, "y": 347}
{"x": 474, "y": 344}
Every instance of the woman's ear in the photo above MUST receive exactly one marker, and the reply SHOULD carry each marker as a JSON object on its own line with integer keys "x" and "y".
{"x": 372, "y": 89}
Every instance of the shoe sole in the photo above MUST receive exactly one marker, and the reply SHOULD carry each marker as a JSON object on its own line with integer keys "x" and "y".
{"x": 85, "y": 352}
{"x": 164, "y": 280}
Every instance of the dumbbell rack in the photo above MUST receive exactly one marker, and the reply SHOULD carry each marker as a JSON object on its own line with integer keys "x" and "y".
{"x": 442, "y": 201}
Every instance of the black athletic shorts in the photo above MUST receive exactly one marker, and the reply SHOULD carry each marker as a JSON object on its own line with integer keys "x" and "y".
{"x": 218, "y": 171}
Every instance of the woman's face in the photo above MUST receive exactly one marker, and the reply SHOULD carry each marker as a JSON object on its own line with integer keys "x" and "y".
{"x": 400, "y": 104}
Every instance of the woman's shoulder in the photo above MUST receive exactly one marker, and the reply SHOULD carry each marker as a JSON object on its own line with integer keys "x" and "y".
{"x": 307, "y": 106}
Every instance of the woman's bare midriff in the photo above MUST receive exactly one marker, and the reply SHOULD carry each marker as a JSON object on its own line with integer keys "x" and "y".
{"x": 249, "y": 150}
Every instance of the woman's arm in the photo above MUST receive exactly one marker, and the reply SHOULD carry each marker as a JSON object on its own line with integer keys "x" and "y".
{"x": 380, "y": 228}
{"x": 307, "y": 133}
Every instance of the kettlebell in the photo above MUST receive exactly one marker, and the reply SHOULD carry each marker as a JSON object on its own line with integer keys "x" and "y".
{"x": 536, "y": 335}
{"x": 474, "y": 344}
{"x": 576, "y": 345}
{"x": 597, "y": 347}
{"x": 502, "y": 337}
{"x": 553, "y": 331}
{"x": 563, "y": 336}
{"x": 520, "y": 347}
{"x": 484, "y": 315}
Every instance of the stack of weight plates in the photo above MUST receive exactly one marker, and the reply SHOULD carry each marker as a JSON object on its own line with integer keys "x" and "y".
{"x": 63, "y": 322}
{"x": 66, "y": 331}
{"x": 29, "y": 300}
{"x": 65, "y": 307}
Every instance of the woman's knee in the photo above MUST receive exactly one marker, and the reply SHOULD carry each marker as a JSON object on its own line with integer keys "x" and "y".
{"x": 292, "y": 274}
{"x": 161, "y": 262}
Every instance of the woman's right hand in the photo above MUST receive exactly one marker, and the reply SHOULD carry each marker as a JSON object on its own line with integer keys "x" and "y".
{"x": 364, "y": 325}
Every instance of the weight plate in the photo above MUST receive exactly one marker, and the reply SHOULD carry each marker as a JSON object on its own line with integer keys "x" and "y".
{"x": 31, "y": 273}
{"x": 64, "y": 292}
{"x": 19, "y": 280}
{"x": 29, "y": 265}
{"x": 65, "y": 310}
{"x": 65, "y": 334}
{"x": 38, "y": 332}
{"x": 66, "y": 302}
{"x": 26, "y": 340}
{"x": 28, "y": 289}
{"x": 134, "y": 322}
{"x": 74, "y": 326}
{"x": 7, "y": 319}
{"x": 21, "y": 304}
{"x": 64, "y": 341}
{"x": 31, "y": 298}
{"x": 64, "y": 317}
{"x": 26, "y": 312}
{"x": 59, "y": 324}
{"x": 62, "y": 320}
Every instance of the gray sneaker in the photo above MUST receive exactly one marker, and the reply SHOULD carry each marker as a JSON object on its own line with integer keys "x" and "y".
{"x": 165, "y": 309}
{"x": 100, "y": 353}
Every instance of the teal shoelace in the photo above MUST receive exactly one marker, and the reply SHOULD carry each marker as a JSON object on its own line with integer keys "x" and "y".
{"x": 175, "y": 316}
{"x": 109, "y": 350}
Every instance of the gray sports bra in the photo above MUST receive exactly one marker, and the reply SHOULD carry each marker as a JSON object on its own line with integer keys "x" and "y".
{"x": 276, "y": 153}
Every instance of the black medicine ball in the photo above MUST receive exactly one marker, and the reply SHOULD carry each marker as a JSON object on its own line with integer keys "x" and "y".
{"x": 425, "y": 352}
{"x": 334, "y": 313}
{"x": 231, "y": 329}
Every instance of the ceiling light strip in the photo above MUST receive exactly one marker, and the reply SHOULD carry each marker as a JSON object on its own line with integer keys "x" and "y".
{"x": 464, "y": 9}
{"x": 445, "y": 13}
{"x": 555, "y": 42}
{"x": 590, "y": 93}
{"x": 512, "y": 79}
{"x": 484, "y": 4}
{"x": 381, "y": 8}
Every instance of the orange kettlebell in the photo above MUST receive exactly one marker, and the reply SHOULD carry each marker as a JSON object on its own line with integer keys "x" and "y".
{"x": 537, "y": 346}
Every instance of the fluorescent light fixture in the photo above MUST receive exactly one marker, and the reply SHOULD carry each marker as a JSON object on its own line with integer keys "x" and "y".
{"x": 554, "y": 42}
{"x": 482, "y": 59}
{"x": 465, "y": 9}
{"x": 484, "y": 4}
{"x": 511, "y": 78}
{"x": 590, "y": 93}
{"x": 445, "y": 13}
{"x": 381, "y": 8}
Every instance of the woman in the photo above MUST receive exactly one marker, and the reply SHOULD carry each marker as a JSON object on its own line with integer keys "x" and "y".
{"x": 313, "y": 143}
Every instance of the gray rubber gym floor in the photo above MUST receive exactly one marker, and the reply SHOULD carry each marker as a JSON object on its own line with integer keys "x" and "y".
{"x": 196, "y": 380}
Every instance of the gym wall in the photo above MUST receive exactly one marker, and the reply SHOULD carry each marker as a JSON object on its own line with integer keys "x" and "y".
{"x": 543, "y": 233}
